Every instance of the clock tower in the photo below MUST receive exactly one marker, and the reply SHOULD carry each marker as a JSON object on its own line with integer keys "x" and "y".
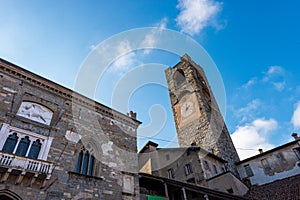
{"x": 197, "y": 116}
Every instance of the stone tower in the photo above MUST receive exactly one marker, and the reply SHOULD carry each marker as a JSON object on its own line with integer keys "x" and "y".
{"x": 197, "y": 116}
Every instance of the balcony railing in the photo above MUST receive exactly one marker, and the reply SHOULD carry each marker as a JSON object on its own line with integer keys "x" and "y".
{"x": 25, "y": 164}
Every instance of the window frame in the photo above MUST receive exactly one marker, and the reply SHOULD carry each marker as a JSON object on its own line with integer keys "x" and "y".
{"x": 206, "y": 165}
{"x": 85, "y": 162}
{"x": 215, "y": 169}
{"x": 248, "y": 170}
{"x": 10, "y": 143}
{"x": 297, "y": 152}
{"x": 265, "y": 164}
{"x": 188, "y": 169}
{"x": 170, "y": 173}
{"x": 45, "y": 141}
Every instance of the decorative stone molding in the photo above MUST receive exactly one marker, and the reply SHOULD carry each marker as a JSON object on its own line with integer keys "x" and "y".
{"x": 35, "y": 112}
{"x": 75, "y": 97}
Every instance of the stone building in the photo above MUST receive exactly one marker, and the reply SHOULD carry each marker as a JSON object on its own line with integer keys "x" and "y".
{"x": 273, "y": 174}
{"x": 278, "y": 163}
{"x": 198, "y": 119}
{"x": 160, "y": 188}
{"x": 58, "y": 144}
{"x": 192, "y": 165}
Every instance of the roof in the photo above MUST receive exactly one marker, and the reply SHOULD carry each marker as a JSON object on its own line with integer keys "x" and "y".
{"x": 192, "y": 148}
{"x": 222, "y": 174}
{"x": 192, "y": 187}
{"x": 288, "y": 188}
{"x": 145, "y": 147}
{"x": 270, "y": 151}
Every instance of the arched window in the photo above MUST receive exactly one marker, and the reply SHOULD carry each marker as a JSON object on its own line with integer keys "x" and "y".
{"x": 10, "y": 143}
{"x": 85, "y": 162}
{"x": 79, "y": 162}
{"x": 23, "y": 146}
{"x": 35, "y": 149}
{"x": 179, "y": 77}
{"x": 91, "y": 167}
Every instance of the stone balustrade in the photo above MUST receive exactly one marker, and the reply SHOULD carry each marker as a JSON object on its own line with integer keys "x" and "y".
{"x": 25, "y": 164}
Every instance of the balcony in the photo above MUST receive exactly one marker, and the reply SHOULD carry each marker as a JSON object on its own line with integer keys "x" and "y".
{"x": 21, "y": 166}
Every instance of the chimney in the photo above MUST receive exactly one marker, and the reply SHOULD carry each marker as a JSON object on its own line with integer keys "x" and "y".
{"x": 260, "y": 151}
{"x": 295, "y": 136}
{"x": 132, "y": 115}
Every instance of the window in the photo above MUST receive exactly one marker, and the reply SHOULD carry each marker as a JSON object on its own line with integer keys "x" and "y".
{"x": 35, "y": 149}
{"x": 10, "y": 143}
{"x": 222, "y": 169}
{"x": 23, "y": 146}
{"x": 206, "y": 166}
{"x": 230, "y": 190}
{"x": 179, "y": 77}
{"x": 188, "y": 169}
{"x": 248, "y": 170}
{"x": 24, "y": 143}
{"x": 191, "y": 180}
{"x": 265, "y": 164}
{"x": 297, "y": 152}
{"x": 85, "y": 162}
{"x": 215, "y": 169}
{"x": 170, "y": 173}
{"x": 167, "y": 157}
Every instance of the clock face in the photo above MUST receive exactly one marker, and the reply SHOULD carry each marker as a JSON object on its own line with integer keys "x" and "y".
{"x": 187, "y": 108}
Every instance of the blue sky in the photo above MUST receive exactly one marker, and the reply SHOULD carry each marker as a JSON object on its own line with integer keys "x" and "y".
{"x": 254, "y": 44}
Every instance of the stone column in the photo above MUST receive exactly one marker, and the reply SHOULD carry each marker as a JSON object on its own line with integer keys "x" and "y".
{"x": 19, "y": 139}
{"x": 30, "y": 144}
{"x": 184, "y": 194}
{"x": 166, "y": 190}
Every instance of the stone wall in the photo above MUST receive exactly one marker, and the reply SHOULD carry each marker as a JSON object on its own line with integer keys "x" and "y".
{"x": 77, "y": 121}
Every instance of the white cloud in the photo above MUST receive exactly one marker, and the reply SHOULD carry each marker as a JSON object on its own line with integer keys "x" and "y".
{"x": 92, "y": 47}
{"x": 247, "y": 112}
{"x": 250, "y": 106}
{"x": 273, "y": 71}
{"x": 249, "y": 138}
{"x": 251, "y": 82}
{"x": 150, "y": 40}
{"x": 195, "y": 15}
{"x": 124, "y": 51}
{"x": 296, "y": 116}
{"x": 276, "y": 77}
{"x": 162, "y": 24}
{"x": 126, "y": 60}
{"x": 279, "y": 86}
{"x": 265, "y": 126}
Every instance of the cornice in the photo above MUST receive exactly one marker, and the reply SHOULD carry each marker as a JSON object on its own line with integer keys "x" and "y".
{"x": 68, "y": 94}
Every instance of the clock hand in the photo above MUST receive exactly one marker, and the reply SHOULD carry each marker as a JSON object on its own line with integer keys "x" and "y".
{"x": 187, "y": 107}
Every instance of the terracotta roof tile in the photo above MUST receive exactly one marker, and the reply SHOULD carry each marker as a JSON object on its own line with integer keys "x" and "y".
{"x": 287, "y": 189}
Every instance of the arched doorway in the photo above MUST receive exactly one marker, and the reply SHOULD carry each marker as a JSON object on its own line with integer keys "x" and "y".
{"x": 9, "y": 195}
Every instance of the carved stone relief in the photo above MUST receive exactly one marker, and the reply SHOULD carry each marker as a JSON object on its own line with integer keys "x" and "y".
{"x": 35, "y": 112}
